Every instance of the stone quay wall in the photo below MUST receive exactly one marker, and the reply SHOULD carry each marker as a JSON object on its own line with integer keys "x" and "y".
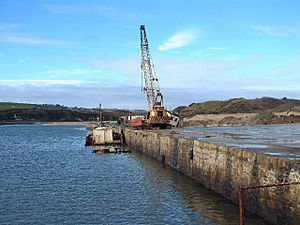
{"x": 225, "y": 169}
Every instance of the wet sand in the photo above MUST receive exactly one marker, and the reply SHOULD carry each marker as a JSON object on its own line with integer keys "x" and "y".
{"x": 276, "y": 140}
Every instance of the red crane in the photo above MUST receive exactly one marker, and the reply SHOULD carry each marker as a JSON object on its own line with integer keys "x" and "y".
{"x": 157, "y": 114}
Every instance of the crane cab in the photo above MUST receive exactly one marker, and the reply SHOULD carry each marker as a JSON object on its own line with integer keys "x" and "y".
{"x": 158, "y": 118}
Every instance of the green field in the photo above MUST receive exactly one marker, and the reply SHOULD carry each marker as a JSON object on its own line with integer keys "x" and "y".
{"x": 13, "y": 106}
{"x": 10, "y": 111}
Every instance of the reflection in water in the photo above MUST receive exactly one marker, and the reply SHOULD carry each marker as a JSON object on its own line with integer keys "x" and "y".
{"x": 49, "y": 177}
{"x": 201, "y": 204}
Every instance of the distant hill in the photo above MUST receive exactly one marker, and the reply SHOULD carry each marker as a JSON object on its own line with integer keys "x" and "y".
{"x": 239, "y": 105}
{"x": 14, "y": 105}
{"x": 54, "y": 113}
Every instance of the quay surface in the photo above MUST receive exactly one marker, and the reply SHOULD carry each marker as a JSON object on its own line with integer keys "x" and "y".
{"x": 226, "y": 159}
{"x": 275, "y": 140}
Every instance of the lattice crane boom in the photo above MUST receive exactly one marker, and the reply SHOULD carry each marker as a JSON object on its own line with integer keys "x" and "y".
{"x": 151, "y": 87}
{"x": 157, "y": 114}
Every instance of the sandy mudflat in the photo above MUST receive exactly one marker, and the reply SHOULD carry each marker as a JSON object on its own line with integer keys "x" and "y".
{"x": 66, "y": 123}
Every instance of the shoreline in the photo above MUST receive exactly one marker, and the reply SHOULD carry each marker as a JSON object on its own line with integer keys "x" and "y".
{"x": 43, "y": 123}
{"x": 195, "y": 124}
{"x": 65, "y": 123}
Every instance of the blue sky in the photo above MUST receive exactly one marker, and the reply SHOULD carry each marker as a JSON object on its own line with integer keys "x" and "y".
{"x": 81, "y": 53}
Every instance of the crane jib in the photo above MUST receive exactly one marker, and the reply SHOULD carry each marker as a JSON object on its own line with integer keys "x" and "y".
{"x": 156, "y": 112}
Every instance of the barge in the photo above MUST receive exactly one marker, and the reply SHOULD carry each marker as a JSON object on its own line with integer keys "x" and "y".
{"x": 106, "y": 139}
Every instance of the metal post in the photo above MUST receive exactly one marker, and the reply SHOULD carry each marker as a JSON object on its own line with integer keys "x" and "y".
{"x": 241, "y": 204}
{"x": 242, "y": 189}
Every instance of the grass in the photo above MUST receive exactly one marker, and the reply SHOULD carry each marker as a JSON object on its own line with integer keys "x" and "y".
{"x": 12, "y": 105}
{"x": 240, "y": 105}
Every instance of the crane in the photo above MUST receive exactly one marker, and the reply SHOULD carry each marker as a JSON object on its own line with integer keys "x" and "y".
{"x": 157, "y": 115}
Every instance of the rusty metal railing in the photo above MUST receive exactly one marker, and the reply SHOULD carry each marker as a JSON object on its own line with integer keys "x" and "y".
{"x": 241, "y": 191}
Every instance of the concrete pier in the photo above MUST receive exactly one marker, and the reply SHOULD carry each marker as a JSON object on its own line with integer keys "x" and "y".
{"x": 226, "y": 169}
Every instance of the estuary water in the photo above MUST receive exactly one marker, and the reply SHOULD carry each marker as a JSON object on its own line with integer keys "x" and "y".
{"x": 49, "y": 177}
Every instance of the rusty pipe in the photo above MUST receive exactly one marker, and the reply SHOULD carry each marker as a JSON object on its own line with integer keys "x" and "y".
{"x": 242, "y": 189}
{"x": 270, "y": 185}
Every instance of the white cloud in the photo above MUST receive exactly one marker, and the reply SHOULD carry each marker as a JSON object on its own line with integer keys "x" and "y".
{"x": 123, "y": 66}
{"x": 20, "y": 83}
{"x": 190, "y": 73}
{"x": 278, "y": 84}
{"x": 182, "y": 81}
{"x": 179, "y": 40}
{"x": 26, "y": 39}
{"x": 90, "y": 93}
{"x": 69, "y": 72}
{"x": 278, "y": 31}
{"x": 123, "y": 89}
{"x": 72, "y": 93}
{"x": 216, "y": 48}
{"x": 8, "y": 26}
{"x": 274, "y": 87}
{"x": 171, "y": 72}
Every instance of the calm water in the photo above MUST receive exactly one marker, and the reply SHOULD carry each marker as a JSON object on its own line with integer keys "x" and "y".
{"x": 49, "y": 177}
